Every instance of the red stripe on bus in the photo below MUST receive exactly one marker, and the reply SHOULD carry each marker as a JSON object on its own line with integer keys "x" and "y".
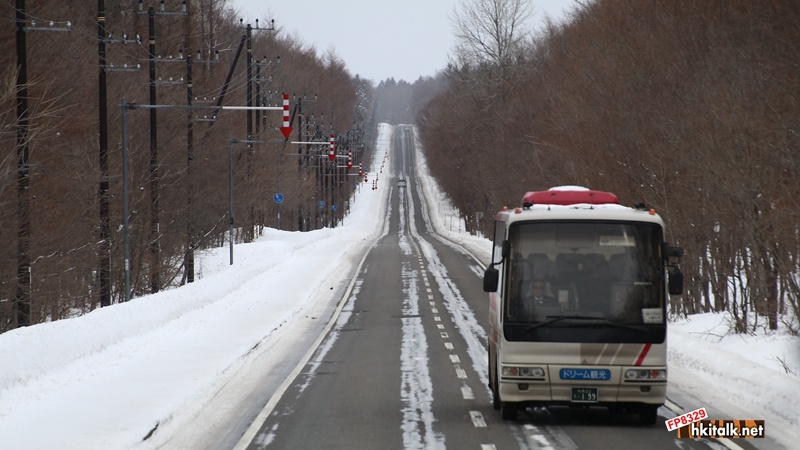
{"x": 642, "y": 354}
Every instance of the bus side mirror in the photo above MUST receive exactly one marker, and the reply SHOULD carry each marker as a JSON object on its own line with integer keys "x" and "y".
{"x": 672, "y": 252}
{"x": 675, "y": 282}
{"x": 490, "y": 279}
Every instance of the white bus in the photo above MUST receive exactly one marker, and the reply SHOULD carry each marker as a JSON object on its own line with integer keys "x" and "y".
{"x": 578, "y": 291}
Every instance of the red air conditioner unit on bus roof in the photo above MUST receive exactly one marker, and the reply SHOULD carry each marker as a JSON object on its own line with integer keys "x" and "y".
{"x": 566, "y": 197}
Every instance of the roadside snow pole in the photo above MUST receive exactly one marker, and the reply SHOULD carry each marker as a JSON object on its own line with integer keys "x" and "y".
{"x": 331, "y": 151}
{"x": 286, "y": 129}
{"x": 285, "y": 110}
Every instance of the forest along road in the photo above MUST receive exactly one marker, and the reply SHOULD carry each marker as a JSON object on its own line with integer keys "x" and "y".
{"x": 404, "y": 364}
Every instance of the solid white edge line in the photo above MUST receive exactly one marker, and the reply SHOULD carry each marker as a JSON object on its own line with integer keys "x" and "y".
{"x": 677, "y": 410}
{"x": 252, "y": 430}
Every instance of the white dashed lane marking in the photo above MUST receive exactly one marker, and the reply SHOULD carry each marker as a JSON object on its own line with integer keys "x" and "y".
{"x": 477, "y": 419}
{"x": 467, "y": 393}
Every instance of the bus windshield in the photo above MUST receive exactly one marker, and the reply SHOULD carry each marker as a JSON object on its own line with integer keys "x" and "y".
{"x": 585, "y": 275}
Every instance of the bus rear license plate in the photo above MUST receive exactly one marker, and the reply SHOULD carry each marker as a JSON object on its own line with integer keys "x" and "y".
{"x": 584, "y": 395}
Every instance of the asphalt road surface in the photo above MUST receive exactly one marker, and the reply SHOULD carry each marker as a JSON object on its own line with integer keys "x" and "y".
{"x": 404, "y": 364}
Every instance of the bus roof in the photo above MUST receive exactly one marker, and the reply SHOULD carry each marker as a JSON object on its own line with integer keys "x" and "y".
{"x": 580, "y": 212}
{"x": 568, "y": 195}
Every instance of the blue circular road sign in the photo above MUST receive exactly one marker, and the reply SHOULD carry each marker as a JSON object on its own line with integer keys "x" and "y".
{"x": 278, "y": 197}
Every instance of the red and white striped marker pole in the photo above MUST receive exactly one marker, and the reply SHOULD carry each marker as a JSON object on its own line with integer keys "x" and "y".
{"x": 286, "y": 129}
{"x": 286, "y": 110}
{"x": 331, "y": 151}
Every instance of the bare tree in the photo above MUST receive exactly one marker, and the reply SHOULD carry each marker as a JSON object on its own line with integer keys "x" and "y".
{"x": 490, "y": 31}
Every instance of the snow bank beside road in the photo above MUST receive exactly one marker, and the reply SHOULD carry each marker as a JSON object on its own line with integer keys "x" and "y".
{"x": 737, "y": 376}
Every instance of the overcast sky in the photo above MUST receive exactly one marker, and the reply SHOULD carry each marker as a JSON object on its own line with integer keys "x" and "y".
{"x": 403, "y": 39}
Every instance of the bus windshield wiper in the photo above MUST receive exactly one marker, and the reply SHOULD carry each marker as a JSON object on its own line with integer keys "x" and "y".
{"x": 604, "y": 321}
{"x": 554, "y": 319}
{"x": 627, "y": 326}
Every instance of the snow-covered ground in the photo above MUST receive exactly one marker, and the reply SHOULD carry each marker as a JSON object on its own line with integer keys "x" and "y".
{"x": 735, "y": 376}
{"x": 107, "y": 379}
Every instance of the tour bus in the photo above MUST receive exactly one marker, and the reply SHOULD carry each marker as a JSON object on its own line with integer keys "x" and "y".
{"x": 578, "y": 289}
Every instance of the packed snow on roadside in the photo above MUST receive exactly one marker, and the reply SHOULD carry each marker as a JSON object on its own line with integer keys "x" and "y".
{"x": 105, "y": 379}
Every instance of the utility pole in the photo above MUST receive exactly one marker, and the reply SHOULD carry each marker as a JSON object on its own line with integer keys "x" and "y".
{"x": 155, "y": 231}
{"x": 155, "y": 254}
{"x": 104, "y": 272}
{"x": 249, "y": 59}
{"x": 249, "y": 36}
{"x": 251, "y": 219}
{"x": 249, "y": 231}
{"x": 188, "y": 260}
{"x": 22, "y": 297}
